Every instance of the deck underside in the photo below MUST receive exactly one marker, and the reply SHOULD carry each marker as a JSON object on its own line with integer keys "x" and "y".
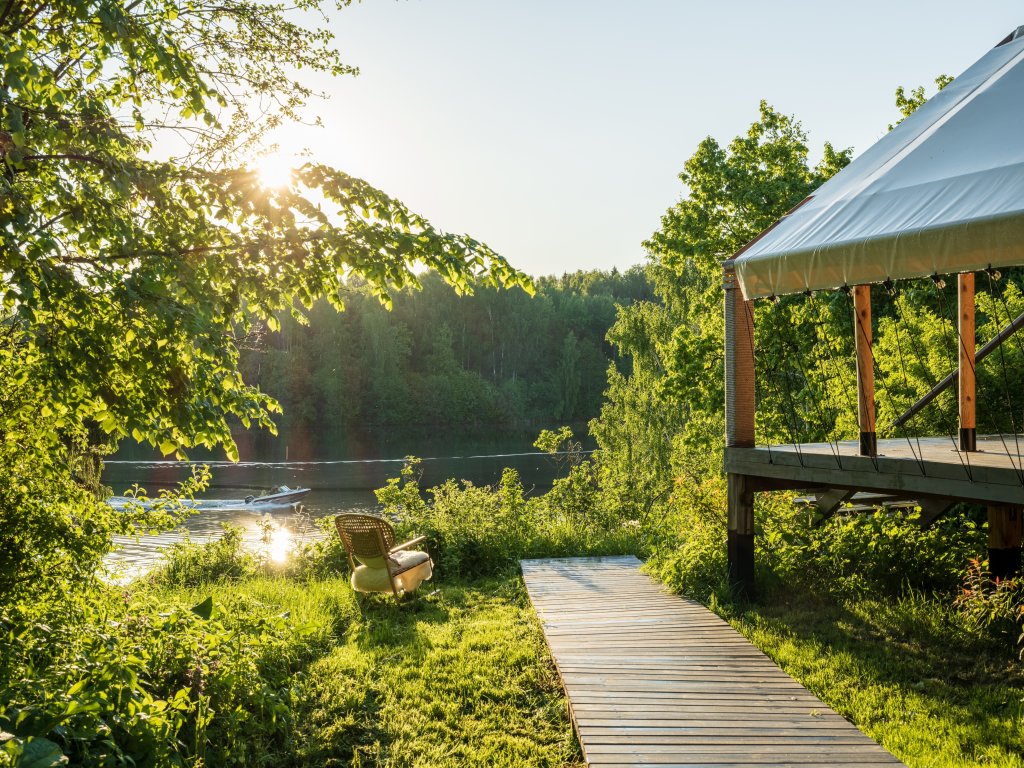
{"x": 930, "y": 467}
{"x": 653, "y": 679}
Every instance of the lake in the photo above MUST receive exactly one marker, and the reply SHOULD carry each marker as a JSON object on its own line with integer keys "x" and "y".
{"x": 342, "y": 479}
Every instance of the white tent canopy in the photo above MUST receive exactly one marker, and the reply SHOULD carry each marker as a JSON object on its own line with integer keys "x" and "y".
{"x": 940, "y": 194}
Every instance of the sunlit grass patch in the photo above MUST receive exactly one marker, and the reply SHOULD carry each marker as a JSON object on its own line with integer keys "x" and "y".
{"x": 905, "y": 671}
{"x": 462, "y": 678}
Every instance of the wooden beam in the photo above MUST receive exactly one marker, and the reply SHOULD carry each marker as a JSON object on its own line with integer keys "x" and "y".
{"x": 1004, "y": 540}
{"x": 965, "y": 368}
{"x": 932, "y": 511}
{"x": 829, "y": 501}
{"x": 740, "y": 403}
{"x": 740, "y": 407}
{"x": 865, "y": 370}
{"x": 937, "y": 473}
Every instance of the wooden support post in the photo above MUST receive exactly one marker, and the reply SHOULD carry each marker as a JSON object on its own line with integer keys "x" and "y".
{"x": 739, "y": 364}
{"x": 865, "y": 370}
{"x": 966, "y": 374}
{"x": 741, "y": 536}
{"x": 1004, "y": 538}
{"x": 739, "y": 429}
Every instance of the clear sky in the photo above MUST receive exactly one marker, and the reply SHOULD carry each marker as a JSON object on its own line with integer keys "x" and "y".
{"x": 554, "y": 130}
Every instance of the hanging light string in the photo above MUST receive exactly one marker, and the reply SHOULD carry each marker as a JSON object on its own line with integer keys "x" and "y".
{"x": 918, "y": 454}
{"x": 748, "y": 316}
{"x": 947, "y": 314}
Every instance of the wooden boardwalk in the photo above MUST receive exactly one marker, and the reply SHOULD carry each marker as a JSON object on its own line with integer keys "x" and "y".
{"x": 654, "y": 679}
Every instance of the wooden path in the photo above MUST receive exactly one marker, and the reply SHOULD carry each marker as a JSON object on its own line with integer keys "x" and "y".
{"x": 653, "y": 679}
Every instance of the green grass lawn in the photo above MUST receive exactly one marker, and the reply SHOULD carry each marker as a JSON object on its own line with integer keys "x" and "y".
{"x": 905, "y": 671}
{"x": 464, "y": 678}
{"x": 456, "y": 679}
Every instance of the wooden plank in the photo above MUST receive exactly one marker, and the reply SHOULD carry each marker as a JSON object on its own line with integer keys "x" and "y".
{"x": 928, "y": 467}
{"x": 654, "y": 679}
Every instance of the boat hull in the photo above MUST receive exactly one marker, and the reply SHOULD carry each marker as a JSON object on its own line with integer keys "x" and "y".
{"x": 289, "y": 497}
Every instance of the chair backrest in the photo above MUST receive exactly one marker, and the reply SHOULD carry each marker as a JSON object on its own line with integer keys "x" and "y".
{"x": 367, "y": 538}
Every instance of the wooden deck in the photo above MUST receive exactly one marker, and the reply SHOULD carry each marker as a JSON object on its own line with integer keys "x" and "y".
{"x": 653, "y": 679}
{"x": 930, "y": 466}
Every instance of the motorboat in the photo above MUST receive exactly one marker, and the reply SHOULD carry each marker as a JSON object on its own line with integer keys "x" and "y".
{"x": 280, "y": 494}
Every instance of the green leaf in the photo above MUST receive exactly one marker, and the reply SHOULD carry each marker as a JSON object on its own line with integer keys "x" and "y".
{"x": 40, "y": 753}
{"x": 204, "y": 610}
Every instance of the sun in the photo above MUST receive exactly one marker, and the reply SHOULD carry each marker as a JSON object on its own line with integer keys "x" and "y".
{"x": 275, "y": 170}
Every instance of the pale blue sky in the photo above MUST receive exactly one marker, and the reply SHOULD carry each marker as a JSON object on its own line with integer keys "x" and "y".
{"x": 555, "y": 130}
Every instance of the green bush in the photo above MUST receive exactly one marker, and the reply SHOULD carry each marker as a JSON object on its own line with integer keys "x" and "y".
{"x": 992, "y": 605}
{"x": 481, "y": 530}
{"x": 852, "y": 555}
{"x": 187, "y": 564}
{"x": 145, "y": 683}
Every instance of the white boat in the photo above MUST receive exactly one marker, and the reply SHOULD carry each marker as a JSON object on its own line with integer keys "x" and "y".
{"x": 281, "y": 494}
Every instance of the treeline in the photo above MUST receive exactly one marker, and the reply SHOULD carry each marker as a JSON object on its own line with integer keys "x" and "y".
{"x": 495, "y": 357}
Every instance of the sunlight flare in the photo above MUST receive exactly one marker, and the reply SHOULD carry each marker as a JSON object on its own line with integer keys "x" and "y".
{"x": 280, "y": 544}
{"x": 275, "y": 171}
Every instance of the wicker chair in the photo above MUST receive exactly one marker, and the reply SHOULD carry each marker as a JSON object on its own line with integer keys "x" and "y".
{"x": 382, "y": 566}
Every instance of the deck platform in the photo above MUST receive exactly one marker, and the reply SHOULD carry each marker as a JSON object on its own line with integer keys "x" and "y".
{"x": 926, "y": 467}
{"x": 654, "y": 679}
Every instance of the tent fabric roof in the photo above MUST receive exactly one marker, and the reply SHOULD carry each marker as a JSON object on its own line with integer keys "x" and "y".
{"x": 941, "y": 193}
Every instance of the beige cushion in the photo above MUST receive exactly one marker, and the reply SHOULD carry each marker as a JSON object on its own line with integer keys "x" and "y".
{"x": 410, "y": 568}
{"x": 403, "y": 560}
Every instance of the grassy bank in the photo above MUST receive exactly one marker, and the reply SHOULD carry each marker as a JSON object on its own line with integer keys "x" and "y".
{"x": 459, "y": 678}
{"x": 895, "y": 627}
{"x": 907, "y": 671}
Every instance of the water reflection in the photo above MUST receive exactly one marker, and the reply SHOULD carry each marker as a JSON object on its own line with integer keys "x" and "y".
{"x": 280, "y": 544}
{"x": 338, "y": 485}
{"x": 272, "y": 534}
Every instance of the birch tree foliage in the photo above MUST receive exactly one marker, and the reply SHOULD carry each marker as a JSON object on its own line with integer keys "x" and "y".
{"x": 660, "y": 423}
{"x": 138, "y": 249}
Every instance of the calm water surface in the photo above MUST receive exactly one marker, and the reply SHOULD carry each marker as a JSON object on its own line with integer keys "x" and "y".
{"x": 338, "y": 483}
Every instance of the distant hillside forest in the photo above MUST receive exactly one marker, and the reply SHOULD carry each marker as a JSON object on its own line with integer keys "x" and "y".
{"x": 498, "y": 358}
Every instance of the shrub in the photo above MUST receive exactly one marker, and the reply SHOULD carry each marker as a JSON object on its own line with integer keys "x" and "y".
{"x": 993, "y": 605}
{"x": 481, "y": 530}
{"x": 187, "y": 564}
{"x": 140, "y": 682}
{"x": 851, "y": 555}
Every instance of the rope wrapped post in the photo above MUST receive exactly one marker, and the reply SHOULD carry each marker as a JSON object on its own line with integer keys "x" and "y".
{"x": 740, "y": 410}
{"x": 966, "y": 373}
{"x": 1004, "y": 541}
{"x": 865, "y": 370}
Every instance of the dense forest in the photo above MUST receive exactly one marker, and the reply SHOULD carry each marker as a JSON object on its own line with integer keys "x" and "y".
{"x": 495, "y": 357}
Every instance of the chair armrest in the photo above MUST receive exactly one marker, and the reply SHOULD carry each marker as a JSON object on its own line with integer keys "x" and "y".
{"x": 410, "y": 543}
